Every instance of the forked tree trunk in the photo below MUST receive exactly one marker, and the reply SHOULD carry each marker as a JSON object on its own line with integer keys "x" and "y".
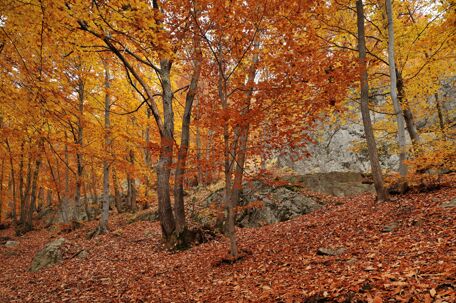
{"x": 179, "y": 207}
{"x": 397, "y": 106}
{"x": 368, "y": 130}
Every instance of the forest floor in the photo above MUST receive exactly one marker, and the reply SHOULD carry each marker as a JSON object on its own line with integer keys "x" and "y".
{"x": 399, "y": 251}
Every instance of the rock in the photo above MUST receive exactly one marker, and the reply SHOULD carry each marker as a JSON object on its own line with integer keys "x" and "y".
{"x": 146, "y": 215}
{"x": 272, "y": 205}
{"x": 49, "y": 255}
{"x": 329, "y": 251}
{"x": 3, "y": 240}
{"x": 11, "y": 243}
{"x": 335, "y": 183}
{"x": 390, "y": 227}
{"x": 449, "y": 204}
{"x": 261, "y": 204}
{"x": 82, "y": 254}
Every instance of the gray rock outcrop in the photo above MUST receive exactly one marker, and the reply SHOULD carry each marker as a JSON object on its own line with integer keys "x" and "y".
{"x": 49, "y": 255}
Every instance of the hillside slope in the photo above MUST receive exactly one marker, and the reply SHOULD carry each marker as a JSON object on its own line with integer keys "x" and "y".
{"x": 400, "y": 251}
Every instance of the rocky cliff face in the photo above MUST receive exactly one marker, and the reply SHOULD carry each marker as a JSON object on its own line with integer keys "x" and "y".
{"x": 334, "y": 149}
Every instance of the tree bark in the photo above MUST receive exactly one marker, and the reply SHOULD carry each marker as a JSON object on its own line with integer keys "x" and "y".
{"x": 131, "y": 185}
{"x": 13, "y": 183}
{"x": 397, "y": 106}
{"x": 1, "y": 188}
{"x": 115, "y": 184}
{"x": 79, "y": 142}
{"x": 440, "y": 115}
{"x": 243, "y": 134}
{"x": 179, "y": 207}
{"x": 368, "y": 130}
{"x": 103, "y": 225}
{"x": 167, "y": 221}
{"x": 408, "y": 115}
{"x": 32, "y": 204}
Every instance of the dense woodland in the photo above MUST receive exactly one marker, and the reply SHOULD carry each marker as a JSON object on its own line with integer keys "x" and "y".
{"x": 120, "y": 120}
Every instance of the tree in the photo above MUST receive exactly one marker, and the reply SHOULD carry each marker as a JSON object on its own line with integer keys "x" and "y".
{"x": 372, "y": 147}
{"x": 396, "y": 104}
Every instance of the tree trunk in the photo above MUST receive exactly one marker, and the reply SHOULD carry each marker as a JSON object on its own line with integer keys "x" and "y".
{"x": 368, "y": 130}
{"x": 62, "y": 203}
{"x": 103, "y": 225}
{"x": 199, "y": 157}
{"x": 408, "y": 115}
{"x": 179, "y": 207}
{"x": 131, "y": 185}
{"x": 1, "y": 188}
{"x": 49, "y": 199}
{"x": 79, "y": 142}
{"x": 13, "y": 183}
{"x": 397, "y": 106}
{"x": 147, "y": 160}
{"x": 243, "y": 134}
{"x": 26, "y": 193}
{"x": 116, "y": 191}
{"x": 440, "y": 115}
{"x": 167, "y": 222}
{"x": 31, "y": 207}
{"x": 40, "y": 205}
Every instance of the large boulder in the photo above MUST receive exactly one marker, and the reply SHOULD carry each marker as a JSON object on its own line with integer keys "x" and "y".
{"x": 145, "y": 215}
{"x": 262, "y": 204}
{"x": 335, "y": 183}
{"x": 49, "y": 255}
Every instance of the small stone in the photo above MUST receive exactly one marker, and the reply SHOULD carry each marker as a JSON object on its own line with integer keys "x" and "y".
{"x": 82, "y": 254}
{"x": 449, "y": 204}
{"x": 11, "y": 243}
{"x": 369, "y": 268}
{"x": 390, "y": 227}
{"x": 328, "y": 251}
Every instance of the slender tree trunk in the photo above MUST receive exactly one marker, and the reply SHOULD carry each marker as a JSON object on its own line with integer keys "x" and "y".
{"x": 408, "y": 115}
{"x": 199, "y": 157}
{"x": 243, "y": 134}
{"x": 25, "y": 199}
{"x": 1, "y": 188}
{"x": 31, "y": 207}
{"x": 179, "y": 207}
{"x": 397, "y": 106}
{"x": 66, "y": 197}
{"x": 13, "y": 183}
{"x": 115, "y": 184}
{"x": 368, "y": 130}
{"x": 79, "y": 142}
{"x": 131, "y": 184}
{"x": 40, "y": 204}
{"x": 49, "y": 198}
{"x": 62, "y": 203}
{"x": 147, "y": 160}
{"x": 440, "y": 115}
{"x": 103, "y": 227}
